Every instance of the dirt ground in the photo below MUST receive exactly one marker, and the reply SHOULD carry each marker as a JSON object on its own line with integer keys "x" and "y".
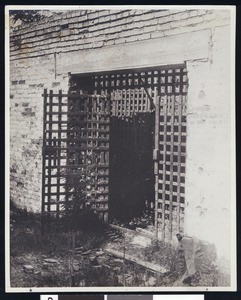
{"x": 53, "y": 261}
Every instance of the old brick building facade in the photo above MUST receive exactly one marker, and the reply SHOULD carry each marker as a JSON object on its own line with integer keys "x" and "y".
{"x": 47, "y": 54}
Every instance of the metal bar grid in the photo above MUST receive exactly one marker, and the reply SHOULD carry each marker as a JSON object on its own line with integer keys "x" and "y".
{"x": 148, "y": 79}
{"x": 76, "y": 141}
{"x": 76, "y": 136}
{"x": 172, "y": 130}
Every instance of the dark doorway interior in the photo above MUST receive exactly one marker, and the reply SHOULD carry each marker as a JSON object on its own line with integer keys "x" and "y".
{"x": 131, "y": 168}
{"x": 131, "y": 142}
{"x": 103, "y": 129}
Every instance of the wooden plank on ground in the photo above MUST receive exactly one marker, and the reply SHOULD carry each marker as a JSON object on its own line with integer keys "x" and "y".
{"x": 153, "y": 267}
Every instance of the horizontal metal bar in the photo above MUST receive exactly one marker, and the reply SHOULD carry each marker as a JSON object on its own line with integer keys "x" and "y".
{"x": 78, "y": 166}
{"x": 76, "y": 96}
{"x": 79, "y": 122}
{"x": 169, "y": 193}
{"x": 168, "y": 163}
{"x": 97, "y": 149}
{"x": 98, "y": 175}
{"x": 87, "y": 139}
{"x": 173, "y": 133}
{"x": 174, "y": 183}
{"x": 74, "y": 130}
{"x": 183, "y": 154}
{"x": 56, "y": 104}
{"x": 78, "y": 113}
{"x": 84, "y": 192}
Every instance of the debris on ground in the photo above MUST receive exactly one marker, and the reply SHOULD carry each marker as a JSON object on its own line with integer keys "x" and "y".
{"x": 28, "y": 268}
{"x": 122, "y": 256}
{"x": 51, "y": 261}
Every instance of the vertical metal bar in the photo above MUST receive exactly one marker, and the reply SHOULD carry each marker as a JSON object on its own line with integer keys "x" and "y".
{"x": 165, "y": 109}
{"x": 45, "y": 97}
{"x": 148, "y": 100}
{"x": 69, "y": 133}
{"x": 59, "y": 148}
{"x": 156, "y": 160}
{"x": 92, "y": 110}
{"x": 179, "y": 160}
{"x": 128, "y": 132}
{"x": 129, "y": 102}
{"x": 78, "y": 109}
{"x": 121, "y": 103}
{"x": 137, "y": 138}
{"x": 113, "y": 104}
{"x": 108, "y": 161}
{"x": 145, "y": 99}
{"x": 51, "y": 157}
{"x": 122, "y": 129}
{"x": 183, "y": 113}
{"x": 125, "y": 104}
{"x": 137, "y": 100}
{"x": 142, "y": 99}
{"x": 172, "y": 98}
{"x": 133, "y": 115}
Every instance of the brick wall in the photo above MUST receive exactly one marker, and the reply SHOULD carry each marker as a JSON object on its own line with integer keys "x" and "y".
{"x": 26, "y": 128}
{"x": 78, "y": 30}
{"x": 81, "y": 41}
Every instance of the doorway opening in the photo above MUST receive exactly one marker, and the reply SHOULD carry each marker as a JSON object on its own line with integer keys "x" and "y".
{"x": 124, "y": 132}
{"x": 131, "y": 169}
{"x": 131, "y": 178}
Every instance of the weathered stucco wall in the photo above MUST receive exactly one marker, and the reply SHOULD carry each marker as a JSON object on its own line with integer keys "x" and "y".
{"x": 82, "y": 41}
{"x": 208, "y": 177}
